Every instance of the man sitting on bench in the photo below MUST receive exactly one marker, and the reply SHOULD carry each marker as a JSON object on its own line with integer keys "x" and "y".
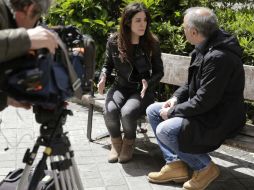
{"x": 205, "y": 111}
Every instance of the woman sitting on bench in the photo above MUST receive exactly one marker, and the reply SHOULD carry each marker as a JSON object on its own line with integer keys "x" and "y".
{"x": 135, "y": 55}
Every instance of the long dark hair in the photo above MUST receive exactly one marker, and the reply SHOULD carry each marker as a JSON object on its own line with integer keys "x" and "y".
{"x": 146, "y": 41}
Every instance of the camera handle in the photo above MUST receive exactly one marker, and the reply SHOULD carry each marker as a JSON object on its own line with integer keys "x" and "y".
{"x": 75, "y": 81}
{"x": 58, "y": 148}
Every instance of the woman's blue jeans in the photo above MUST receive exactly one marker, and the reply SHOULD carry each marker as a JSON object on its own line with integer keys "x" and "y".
{"x": 166, "y": 133}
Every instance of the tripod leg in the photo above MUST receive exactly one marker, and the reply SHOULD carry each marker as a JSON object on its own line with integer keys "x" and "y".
{"x": 71, "y": 172}
{"x": 67, "y": 179}
{"x": 23, "y": 183}
{"x": 63, "y": 185}
{"x": 29, "y": 158}
{"x": 73, "y": 182}
{"x": 75, "y": 170}
{"x": 76, "y": 174}
{"x": 57, "y": 186}
{"x": 62, "y": 177}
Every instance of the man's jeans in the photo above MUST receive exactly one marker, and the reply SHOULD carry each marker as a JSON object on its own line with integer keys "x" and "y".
{"x": 166, "y": 133}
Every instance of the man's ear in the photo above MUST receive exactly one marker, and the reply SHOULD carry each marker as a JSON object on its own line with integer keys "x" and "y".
{"x": 194, "y": 31}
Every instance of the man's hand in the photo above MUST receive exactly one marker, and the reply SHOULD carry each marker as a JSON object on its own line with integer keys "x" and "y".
{"x": 101, "y": 85}
{"x": 164, "y": 113}
{"x": 144, "y": 87}
{"x": 170, "y": 103}
{"x": 42, "y": 38}
{"x": 14, "y": 103}
{"x": 166, "y": 106}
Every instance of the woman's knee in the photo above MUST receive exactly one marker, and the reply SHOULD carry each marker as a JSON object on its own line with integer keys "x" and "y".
{"x": 111, "y": 112}
{"x": 112, "y": 119}
{"x": 130, "y": 112}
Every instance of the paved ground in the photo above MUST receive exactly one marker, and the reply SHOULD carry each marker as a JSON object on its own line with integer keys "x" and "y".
{"x": 20, "y": 129}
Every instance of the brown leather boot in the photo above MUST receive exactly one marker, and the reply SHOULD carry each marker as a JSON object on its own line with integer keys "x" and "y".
{"x": 116, "y": 146}
{"x": 202, "y": 178}
{"x": 176, "y": 171}
{"x": 127, "y": 150}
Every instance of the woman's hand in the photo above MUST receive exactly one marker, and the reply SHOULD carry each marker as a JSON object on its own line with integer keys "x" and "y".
{"x": 101, "y": 85}
{"x": 144, "y": 87}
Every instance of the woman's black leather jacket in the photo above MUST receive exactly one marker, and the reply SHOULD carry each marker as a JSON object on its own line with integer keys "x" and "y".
{"x": 127, "y": 74}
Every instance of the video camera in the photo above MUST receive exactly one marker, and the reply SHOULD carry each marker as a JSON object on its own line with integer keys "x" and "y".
{"x": 46, "y": 81}
{"x": 70, "y": 35}
{"x": 43, "y": 79}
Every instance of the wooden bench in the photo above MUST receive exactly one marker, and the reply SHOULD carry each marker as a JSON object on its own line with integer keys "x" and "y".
{"x": 175, "y": 73}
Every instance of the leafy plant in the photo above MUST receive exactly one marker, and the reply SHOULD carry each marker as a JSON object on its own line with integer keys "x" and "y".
{"x": 171, "y": 37}
{"x": 92, "y": 17}
{"x": 99, "y": 18}
{"x": 240, "y": 23}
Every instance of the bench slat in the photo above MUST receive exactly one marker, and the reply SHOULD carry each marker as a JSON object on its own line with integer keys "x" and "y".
{"x": 97, "y": 100}
{"x": 248, "y": 130}
{"x": 249, "y": 82}
{"x": 241, "y": 141}
{"x": 176, "y": 73}
{"x": 175, "y": 69}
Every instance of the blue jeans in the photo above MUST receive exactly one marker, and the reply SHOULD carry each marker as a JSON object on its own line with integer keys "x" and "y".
{"x": 166, "y": 133}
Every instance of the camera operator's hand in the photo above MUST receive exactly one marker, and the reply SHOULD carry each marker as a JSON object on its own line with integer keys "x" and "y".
{"x": 101, "y": 85}
{"x": 42, "y": 38}
{"x": 14, "y": 103}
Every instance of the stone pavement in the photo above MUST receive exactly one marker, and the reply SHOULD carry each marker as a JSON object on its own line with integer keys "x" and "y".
{"x": 20, "y": 130}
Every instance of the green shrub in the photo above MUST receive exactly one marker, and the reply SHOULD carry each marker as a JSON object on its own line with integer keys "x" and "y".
{"x": 92, "y": 17}
{"x": 171, "y": 38}
{"x": 99, "y": 18}
{"x": 240, "y": 23}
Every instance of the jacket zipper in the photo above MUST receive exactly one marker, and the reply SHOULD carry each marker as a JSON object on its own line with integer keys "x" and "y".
{"x": 130, "y": 74}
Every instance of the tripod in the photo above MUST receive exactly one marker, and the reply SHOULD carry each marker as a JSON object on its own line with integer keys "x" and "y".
{"x": 57, "y": 148}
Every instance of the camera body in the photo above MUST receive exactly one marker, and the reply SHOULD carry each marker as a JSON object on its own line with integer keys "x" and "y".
{"x": 43, "y": 79}
{"x": 70, "y": 35}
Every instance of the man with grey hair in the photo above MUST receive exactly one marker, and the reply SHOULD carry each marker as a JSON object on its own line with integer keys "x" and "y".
{"x": 205, "y": 111}
{"x": 19, "y": 34}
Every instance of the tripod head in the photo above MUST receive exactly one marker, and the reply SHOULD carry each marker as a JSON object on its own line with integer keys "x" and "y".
{"x": 51, "y": 121}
